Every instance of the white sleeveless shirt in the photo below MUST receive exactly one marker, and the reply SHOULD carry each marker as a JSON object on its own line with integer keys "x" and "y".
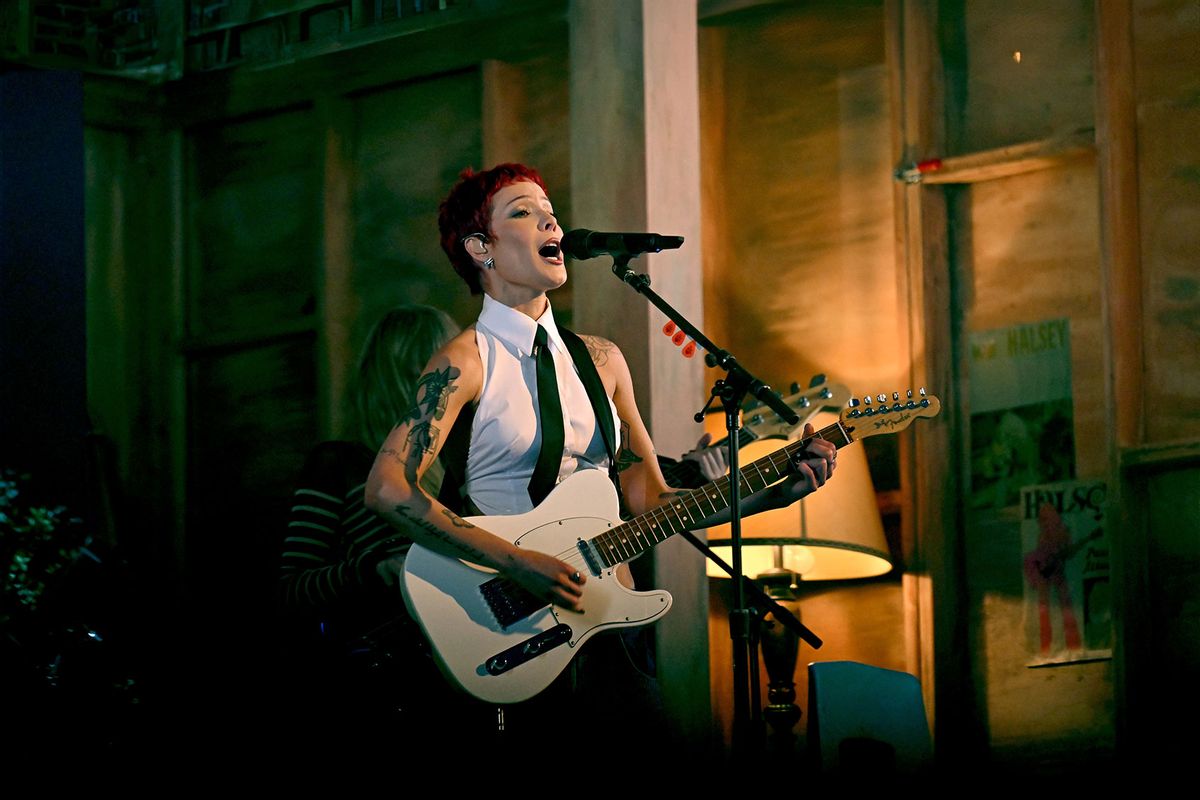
{"x": 505, "y": 435}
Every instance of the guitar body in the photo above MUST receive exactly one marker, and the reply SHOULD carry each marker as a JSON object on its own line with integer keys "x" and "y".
{"x": 510, "y": 663}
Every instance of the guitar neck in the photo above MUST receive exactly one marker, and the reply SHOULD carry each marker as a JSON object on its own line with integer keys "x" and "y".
{"x": 638, "y": 535}
{"x": 687, "y": 474}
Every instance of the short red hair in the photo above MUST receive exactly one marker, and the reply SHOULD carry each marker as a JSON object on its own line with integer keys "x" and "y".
{"x": 467, "y": 210}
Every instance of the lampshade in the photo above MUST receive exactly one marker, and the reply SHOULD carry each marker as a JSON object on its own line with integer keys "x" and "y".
{"x": 836, "y": 533}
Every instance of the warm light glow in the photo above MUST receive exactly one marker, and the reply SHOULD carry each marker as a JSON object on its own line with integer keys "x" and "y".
{"x": 1017, "y": 56}
{"x": 833, "y": 534}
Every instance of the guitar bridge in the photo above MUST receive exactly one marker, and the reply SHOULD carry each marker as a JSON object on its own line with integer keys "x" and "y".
{"x": 528, "y": 650}
{"x": 508, "y": 602}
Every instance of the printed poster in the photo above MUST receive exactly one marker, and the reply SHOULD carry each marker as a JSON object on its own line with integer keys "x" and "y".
{"x": 1065, "y": 564}
{"x": 1022, "y": 419}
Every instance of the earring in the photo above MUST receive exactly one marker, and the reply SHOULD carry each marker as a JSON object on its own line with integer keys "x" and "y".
{"x": 490, "y": 263}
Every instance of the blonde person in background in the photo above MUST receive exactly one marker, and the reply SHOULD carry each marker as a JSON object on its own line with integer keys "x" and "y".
{"x": 351, "y": 652}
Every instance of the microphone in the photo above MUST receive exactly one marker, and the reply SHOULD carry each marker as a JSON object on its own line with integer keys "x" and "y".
{"x": 582, "y": 244}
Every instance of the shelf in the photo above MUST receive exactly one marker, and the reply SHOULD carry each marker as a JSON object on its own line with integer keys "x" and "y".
{"x": 1003, "y": 162}
{"x": 1171, "y": 455}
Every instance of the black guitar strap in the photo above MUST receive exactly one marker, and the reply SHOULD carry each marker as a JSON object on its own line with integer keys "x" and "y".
{"x": 599, "y": 399}
{"x": 453, "y": 456}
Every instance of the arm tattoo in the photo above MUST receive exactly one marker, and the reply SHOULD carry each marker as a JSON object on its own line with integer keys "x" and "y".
{"x": 433, "y": 391}
{"x": 598, "y": 349}
{"x": 626, "y": 458}
{"x": 416, "y": 521}
{"x": 456, "y": 520}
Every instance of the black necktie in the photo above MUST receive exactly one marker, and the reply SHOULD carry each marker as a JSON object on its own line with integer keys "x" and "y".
{"x": 545, "y": 474}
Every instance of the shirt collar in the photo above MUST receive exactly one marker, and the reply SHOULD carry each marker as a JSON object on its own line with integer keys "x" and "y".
{"x": 517, "y": 329}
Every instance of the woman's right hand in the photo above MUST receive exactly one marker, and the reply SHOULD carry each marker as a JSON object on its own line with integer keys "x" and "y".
{"x": 547, "y": 577}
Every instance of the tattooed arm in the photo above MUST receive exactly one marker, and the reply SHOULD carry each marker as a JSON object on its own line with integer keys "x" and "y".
{"x": 452, "y": 379}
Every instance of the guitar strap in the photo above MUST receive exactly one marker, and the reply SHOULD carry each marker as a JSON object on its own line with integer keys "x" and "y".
{"x": 454, "y": 452}
{"x": 453, "y": 456}
{"x": 599, "y": 399}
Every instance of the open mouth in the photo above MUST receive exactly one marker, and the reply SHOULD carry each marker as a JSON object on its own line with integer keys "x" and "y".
{"x": 550, "y": 250}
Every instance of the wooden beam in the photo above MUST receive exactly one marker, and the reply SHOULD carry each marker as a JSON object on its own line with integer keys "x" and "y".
{"x": 1016, "y": 159}
{"x": 337, "y": 303}
{"x": 1121, "y": 293}
{"x": 935, "y": 593}
{"x": 1173, "y": 455}
{"x": 635, "y": 153}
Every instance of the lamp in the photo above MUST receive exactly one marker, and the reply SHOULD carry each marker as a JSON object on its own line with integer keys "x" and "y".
{"x": 835, "y": 533}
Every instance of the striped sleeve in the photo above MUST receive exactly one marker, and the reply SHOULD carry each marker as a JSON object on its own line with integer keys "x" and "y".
{"x": 333, "y": 542}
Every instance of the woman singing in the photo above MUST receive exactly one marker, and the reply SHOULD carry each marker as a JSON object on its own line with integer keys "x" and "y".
{"x": 499, "y": 230}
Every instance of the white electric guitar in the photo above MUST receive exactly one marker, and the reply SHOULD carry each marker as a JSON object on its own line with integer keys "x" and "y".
{"x": 501, "y": 644}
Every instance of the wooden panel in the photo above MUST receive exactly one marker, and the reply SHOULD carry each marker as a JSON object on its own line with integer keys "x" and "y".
{"x": 526, "y": 109}
{"x": 1034, "y": 257}
{"x": 254, "y": 233}
{"x": 808, "y": 285}
{"x": 408, "y": 145}
{"x": 133, "y": 319}
{"x": 1167, "y": 70}
{"x": 997, "y": 97}
{"x": 1174, "y": 611}
{"x": 1028, "y": 251}
{"x": 251, "y": 422}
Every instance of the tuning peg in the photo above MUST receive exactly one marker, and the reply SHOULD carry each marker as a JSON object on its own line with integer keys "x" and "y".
{"x": 883, "y": 398}
{"x": 853, "y": 402}
{"x": 922, "y": 391}
{"x": 826, "y": 393}
{"x": 805, "y": 402}
{"x": 910, "y": 394}
{"x": 895, "y": 396}
{"x": 795, "y": 388}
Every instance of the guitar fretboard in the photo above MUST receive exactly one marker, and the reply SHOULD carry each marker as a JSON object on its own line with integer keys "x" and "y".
{"x": 638, "y": 535}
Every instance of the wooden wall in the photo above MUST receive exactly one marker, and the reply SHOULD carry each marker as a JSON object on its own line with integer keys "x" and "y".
{"x": 1159, "y": 404}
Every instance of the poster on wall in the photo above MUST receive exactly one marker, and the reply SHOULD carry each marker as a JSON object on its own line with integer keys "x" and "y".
{"x": 1022, "y": 421}
{"x": 1065, "y": 567}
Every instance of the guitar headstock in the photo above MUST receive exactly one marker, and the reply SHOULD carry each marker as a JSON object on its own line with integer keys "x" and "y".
{"x": 766, "y": 424}
{"x": 879, "y": 414}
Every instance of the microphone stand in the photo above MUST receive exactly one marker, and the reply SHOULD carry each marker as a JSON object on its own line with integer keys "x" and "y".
{"x": 743, "y": 621}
